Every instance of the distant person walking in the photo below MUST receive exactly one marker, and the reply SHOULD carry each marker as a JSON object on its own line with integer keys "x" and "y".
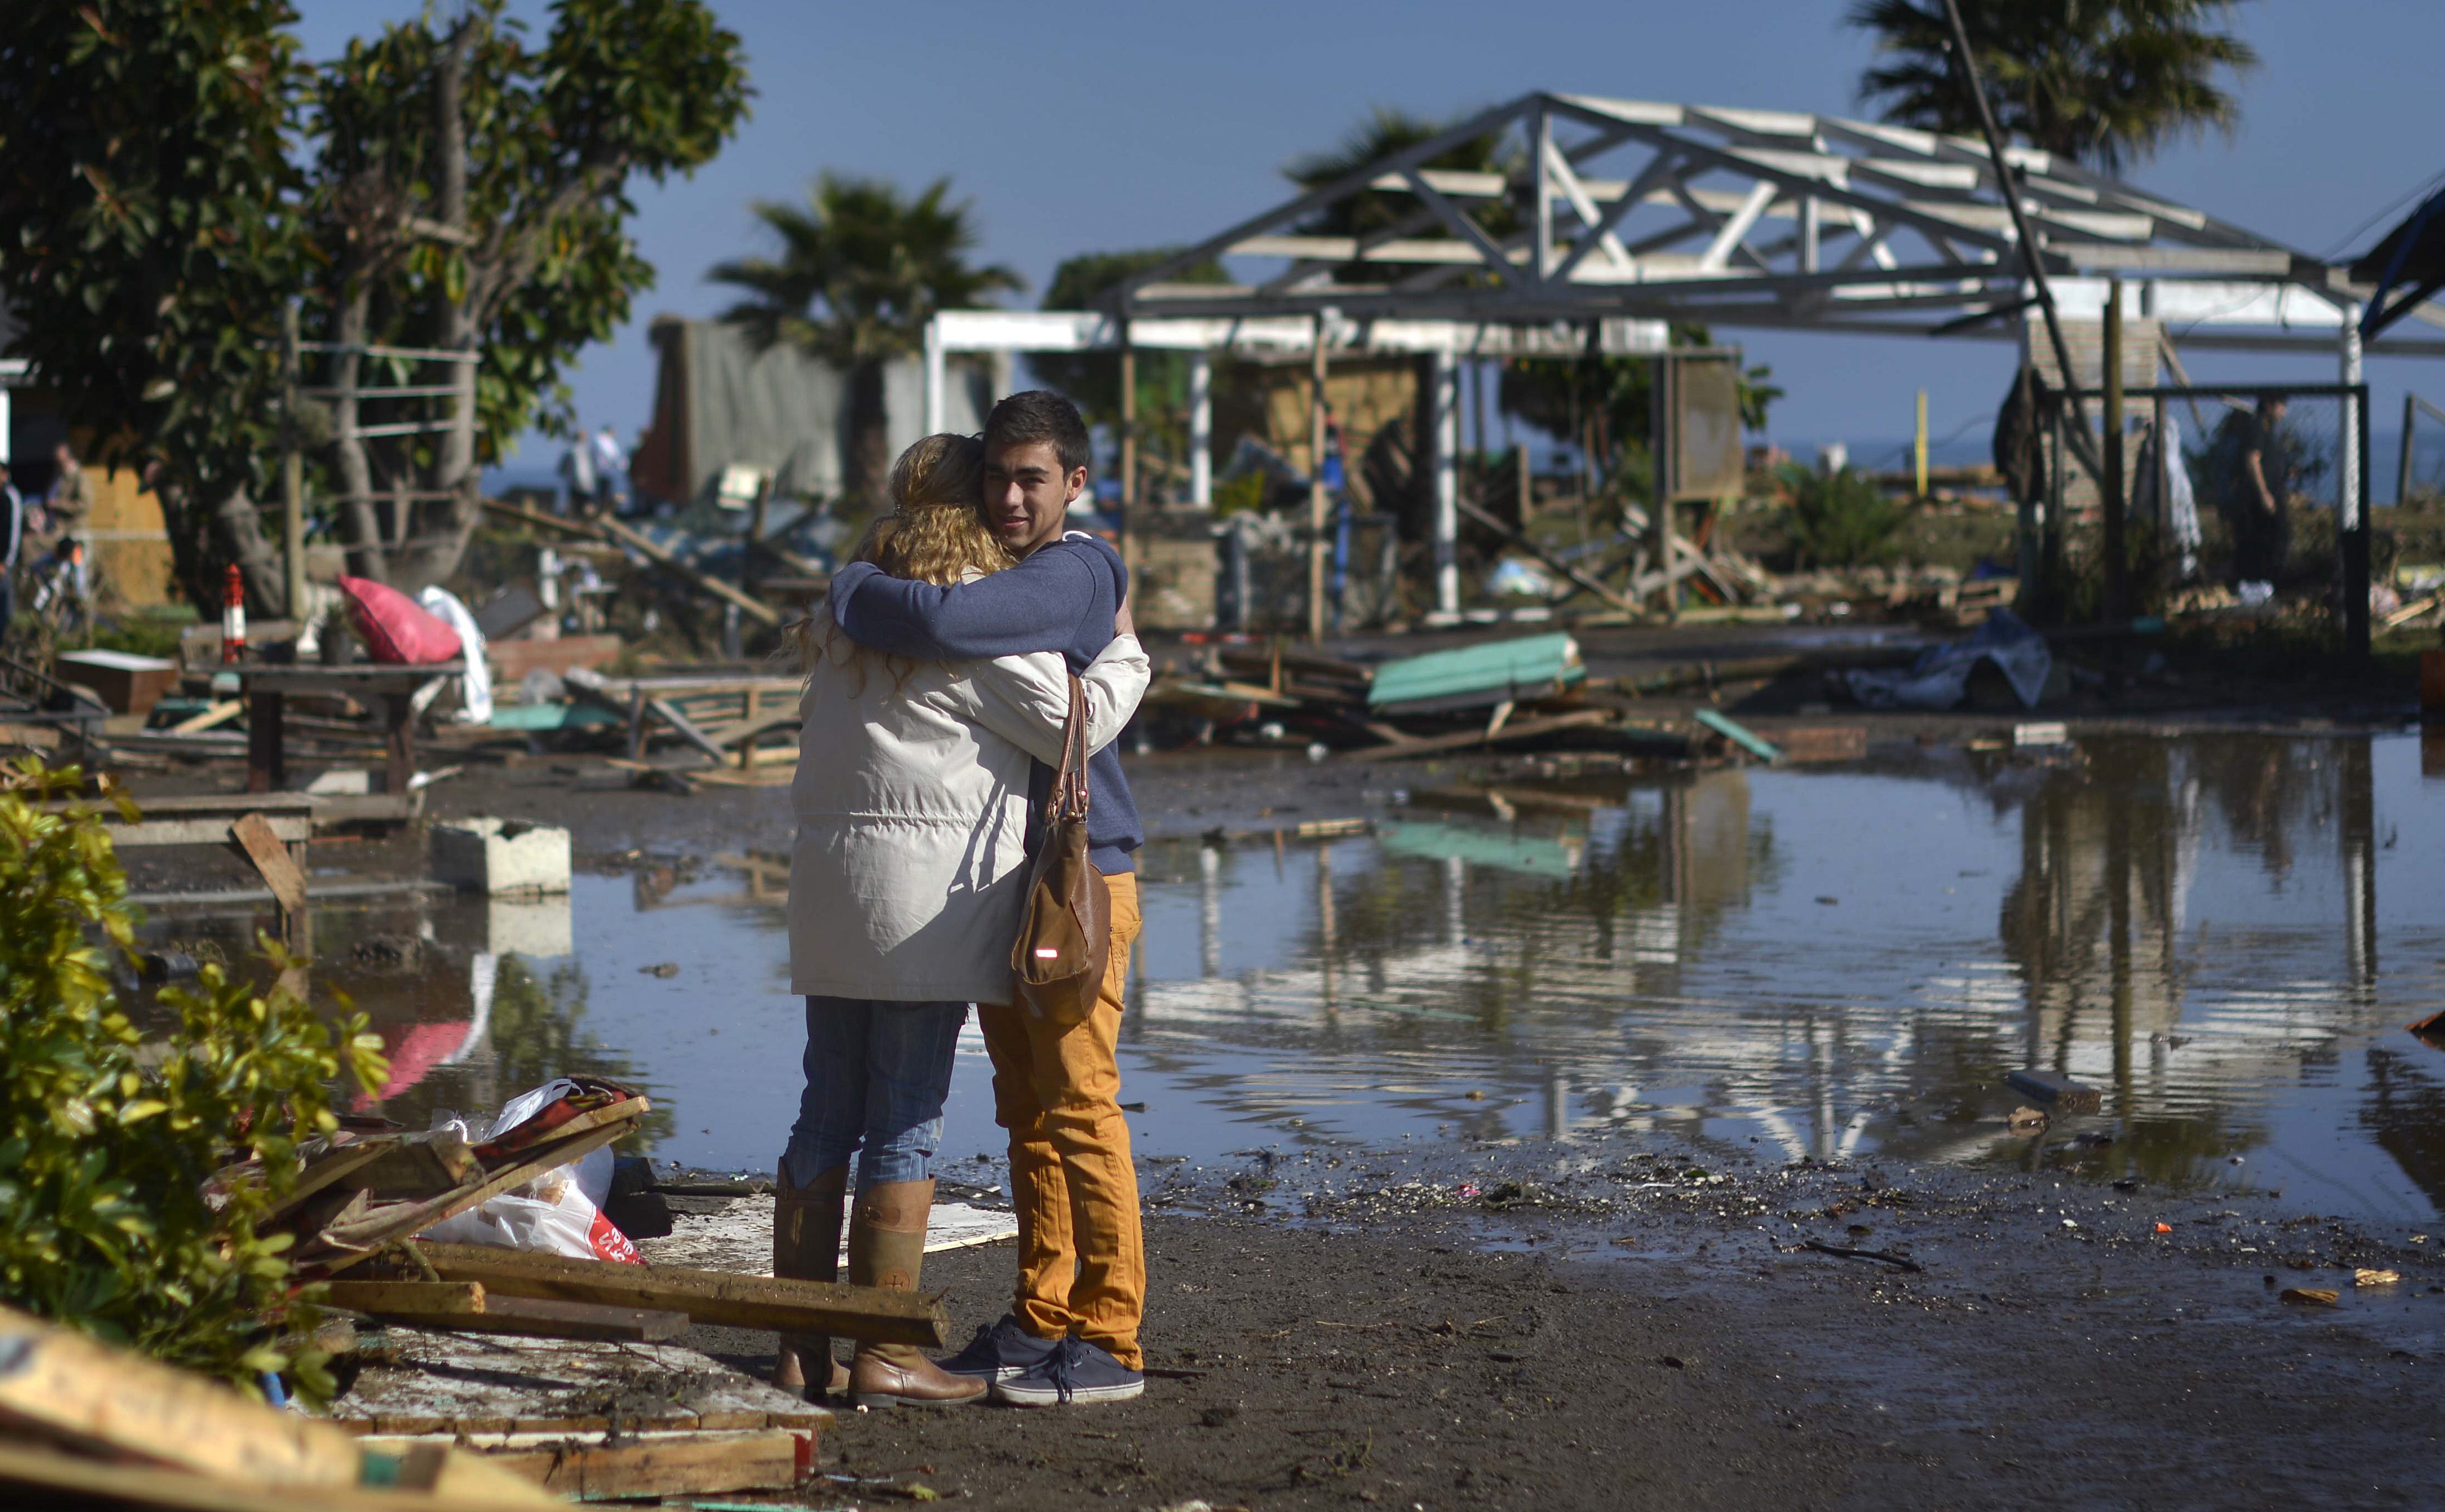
{"x": 2261, "y": 509}
{"x": 610, "y": 471}
{"x": 907, "y": 884}
{"x": 1072, "y": 1335}
{"x": 577, "y": 474}
{"x": 13, "y": 531}
{"x": 62, "y": 526}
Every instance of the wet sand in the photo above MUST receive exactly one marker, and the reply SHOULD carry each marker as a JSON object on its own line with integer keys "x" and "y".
{"x": 1586, "y": 1325}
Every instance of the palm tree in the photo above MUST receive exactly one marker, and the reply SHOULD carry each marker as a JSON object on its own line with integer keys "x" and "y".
{"x": 2104, "y": 83}
{"x": 863, "y": 268}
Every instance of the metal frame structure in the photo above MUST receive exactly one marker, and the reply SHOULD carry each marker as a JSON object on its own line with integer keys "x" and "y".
{"x": 1622, "y": 215}
{"x": 1756, "y": 218}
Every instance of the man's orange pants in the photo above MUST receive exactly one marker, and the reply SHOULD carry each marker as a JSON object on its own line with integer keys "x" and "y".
{"x": 1081, "y": 1258}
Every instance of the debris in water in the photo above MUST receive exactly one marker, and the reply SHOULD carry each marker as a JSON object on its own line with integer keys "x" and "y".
{"x": 659, "y": 968}
{"x": 2374, "y": 1278}
{"x": 2056, "y": 1089}
{"x": 2310, "y": 1296}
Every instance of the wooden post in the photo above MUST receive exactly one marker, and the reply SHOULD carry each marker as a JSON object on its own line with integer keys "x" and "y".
{"x": 399, "y": 757}
{"x": 266, "y": 764}
{"x": 1918, "y": 445}
{"x": 2118, "y": 567}
{"x": 1663, "y": 446}
{"x": 2402, "y": 469}
{"x": 292, "y": 475}
{"x": 1317, "y": 505}
{"x": 2351, "y": 494}
{"x": 1128, "y": 434}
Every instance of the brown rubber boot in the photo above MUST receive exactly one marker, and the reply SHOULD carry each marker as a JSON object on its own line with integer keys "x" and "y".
{"x": 806, "y": 1247}
{"x": 886, "y": 1248}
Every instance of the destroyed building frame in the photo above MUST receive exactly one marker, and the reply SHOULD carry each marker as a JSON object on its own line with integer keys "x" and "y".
{"x": 1632, "y": 215}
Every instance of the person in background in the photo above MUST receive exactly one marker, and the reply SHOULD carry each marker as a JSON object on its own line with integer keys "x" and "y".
{"x": 13, "y": 530}
{"x": 2262, "y": 524}
{"x": 610, "y": 471}
{"x": 1072, "y": 1335}
{"x": 65, "y": 508}
{"x": 907, "y": 884}
{"x": 577, "y": 474}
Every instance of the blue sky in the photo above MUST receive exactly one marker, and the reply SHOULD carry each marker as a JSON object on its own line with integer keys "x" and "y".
{"x": 1096, "y": 126}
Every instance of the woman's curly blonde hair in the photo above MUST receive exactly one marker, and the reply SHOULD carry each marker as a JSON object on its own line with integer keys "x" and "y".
{"x": 936, "y": 532}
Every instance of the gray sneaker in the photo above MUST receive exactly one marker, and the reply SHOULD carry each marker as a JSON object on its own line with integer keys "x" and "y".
{"x": 1075, "y": 1370}
{"x": 999, "y": 1352}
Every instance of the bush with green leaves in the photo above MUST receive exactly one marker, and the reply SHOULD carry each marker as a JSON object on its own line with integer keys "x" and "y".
{"x": 1839, "y": 518}
{"x": 118, "y": 1216}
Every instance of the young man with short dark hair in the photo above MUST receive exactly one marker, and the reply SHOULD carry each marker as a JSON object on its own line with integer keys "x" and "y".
{"x": 1073, "y": 1331}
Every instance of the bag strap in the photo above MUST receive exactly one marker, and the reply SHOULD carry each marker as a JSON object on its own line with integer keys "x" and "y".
{"x": 1068, "y": 799}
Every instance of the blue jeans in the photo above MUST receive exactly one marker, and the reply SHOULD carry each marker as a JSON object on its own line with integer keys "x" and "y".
{"x": 877, "y": 1074}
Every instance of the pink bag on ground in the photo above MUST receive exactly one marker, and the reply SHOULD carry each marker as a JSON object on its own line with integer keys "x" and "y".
{"x": 396, "y": 628}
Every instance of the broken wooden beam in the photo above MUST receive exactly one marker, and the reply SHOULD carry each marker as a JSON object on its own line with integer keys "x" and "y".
{"x": 1514, "y": 731}
{"x": 2056, "y": 1091}
{"x": 604, "y": 528}
{"x": 762, "y": 1302}
{"x": 65, "y": 1386}
{"x": 1597, "y": 586}
{"x": 468, "y": 1308}
{"x": 686, "y": 1462}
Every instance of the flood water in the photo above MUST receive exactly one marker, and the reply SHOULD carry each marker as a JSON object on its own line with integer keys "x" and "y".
{"x": 2224, "y": 935}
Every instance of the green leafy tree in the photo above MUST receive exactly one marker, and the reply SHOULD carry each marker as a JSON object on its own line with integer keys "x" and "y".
{"x": 2104, "y": 83}
{"x": 132, "y": 1175}
{"x": 863, "y": 268}
{"x": 1838, "y": 519}
{"x": 472, "y": 195}
{"x": 148, "y": 217}
{"x": 171, "y": 174}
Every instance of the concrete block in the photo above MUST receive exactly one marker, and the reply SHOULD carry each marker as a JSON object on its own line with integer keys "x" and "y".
{"x": 500, "y": 855}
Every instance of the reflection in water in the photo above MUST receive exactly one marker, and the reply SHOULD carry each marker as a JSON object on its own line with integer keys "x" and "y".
{"x": 2224, "y": 935}
{"x": 1803, "y": 960}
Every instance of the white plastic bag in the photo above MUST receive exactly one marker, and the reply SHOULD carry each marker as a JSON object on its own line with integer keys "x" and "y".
{"x": 560, "y": 1212}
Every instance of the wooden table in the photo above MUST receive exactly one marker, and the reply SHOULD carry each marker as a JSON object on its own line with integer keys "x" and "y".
{"x": 266, "y": 685}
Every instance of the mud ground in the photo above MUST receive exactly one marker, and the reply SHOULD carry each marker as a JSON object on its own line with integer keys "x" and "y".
{"x": 1592, "y": 1324}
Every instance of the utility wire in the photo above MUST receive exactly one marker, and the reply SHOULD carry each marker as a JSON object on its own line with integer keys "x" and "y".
{"x": 2352, "y": 236}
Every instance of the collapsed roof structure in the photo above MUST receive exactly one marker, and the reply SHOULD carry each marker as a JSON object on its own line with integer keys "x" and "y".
{"x": 1609, "y": 220}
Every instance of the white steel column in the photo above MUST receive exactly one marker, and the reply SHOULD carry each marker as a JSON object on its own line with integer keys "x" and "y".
{"x": 2347, "y": 447}
{"x": 1445, "y": 403}
{"x": 1201, "y": 429}
{"x": 937, "y": 380}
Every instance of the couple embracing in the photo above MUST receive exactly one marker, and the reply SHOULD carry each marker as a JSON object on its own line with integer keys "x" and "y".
{"x": 938, "y": 703}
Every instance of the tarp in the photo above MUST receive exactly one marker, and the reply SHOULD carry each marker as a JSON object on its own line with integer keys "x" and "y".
{"x": 1940, "y": 678}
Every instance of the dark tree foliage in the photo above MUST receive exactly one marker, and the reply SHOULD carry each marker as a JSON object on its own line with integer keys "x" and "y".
{"x": 171, "y": 174}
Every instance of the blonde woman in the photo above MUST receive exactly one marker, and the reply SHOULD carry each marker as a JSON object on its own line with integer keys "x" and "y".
{"x": 905, "y": 895}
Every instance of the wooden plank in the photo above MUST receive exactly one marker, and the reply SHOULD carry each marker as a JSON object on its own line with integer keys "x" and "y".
{"x": 64, "y": 1384}
{"x": 761, "y": 1303}
{"x": 344, "y": 1245}
{"x": 604, "y": 527}
{"x": 201, "y": 831}
{"x": 218, "y": 714}
{"x": 1601, "y": 589}
{"x": 1738, "y": 733}
{"x": 78, "y": 1481}
{"x": 425, "y": 1299}
{"x": 1516, "y": 729}
{"x": 2055, "y": 1090}
{"x": 466, "y": 1307}
{"x": 253, "y": 835}
{"x": 683, "y": 727}
{"x": 642, "y": 1464}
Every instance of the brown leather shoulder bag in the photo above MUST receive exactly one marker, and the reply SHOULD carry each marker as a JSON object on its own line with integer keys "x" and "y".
{"x": 1065, "y": 934}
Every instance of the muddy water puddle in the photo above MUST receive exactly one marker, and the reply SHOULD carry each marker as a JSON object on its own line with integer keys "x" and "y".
{"x": 2222, "y": 935}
